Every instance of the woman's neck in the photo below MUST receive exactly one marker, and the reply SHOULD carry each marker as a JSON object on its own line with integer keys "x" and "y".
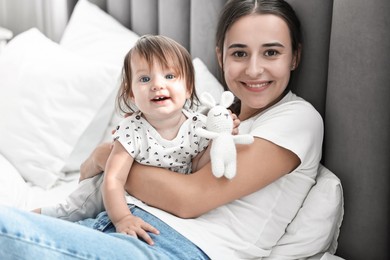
{"x": 246, "y": 112}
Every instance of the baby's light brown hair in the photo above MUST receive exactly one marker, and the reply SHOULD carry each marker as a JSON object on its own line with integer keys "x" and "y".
{"x": 161, "y": 50}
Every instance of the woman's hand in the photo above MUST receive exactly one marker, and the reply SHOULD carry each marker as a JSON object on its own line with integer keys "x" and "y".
{"x": 236, "y": 123}
{"x": 96, "y": 162}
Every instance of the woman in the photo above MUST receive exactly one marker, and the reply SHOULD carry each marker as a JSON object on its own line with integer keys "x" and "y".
{"x": 258, "y": 46}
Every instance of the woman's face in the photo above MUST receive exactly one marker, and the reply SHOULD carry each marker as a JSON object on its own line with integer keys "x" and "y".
{"x": 257, "y": 60}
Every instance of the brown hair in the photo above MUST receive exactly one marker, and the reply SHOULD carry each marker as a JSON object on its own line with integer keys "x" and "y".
{"x": 235, "y": 9}
{"x": 166, "y": 52}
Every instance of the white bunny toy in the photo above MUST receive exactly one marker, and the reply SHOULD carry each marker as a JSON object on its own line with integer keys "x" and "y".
{"x": 219, "y": 126}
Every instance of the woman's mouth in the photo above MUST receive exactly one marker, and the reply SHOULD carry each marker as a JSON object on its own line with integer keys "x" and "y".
{"x": 257, "y": 85}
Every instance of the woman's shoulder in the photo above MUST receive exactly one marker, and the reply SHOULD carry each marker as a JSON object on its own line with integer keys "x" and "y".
{"x": 293, "y": 106}
{"x": 290, "y": 117}
{"x": 291, "y": 99}
{"x": 294, "y": 124}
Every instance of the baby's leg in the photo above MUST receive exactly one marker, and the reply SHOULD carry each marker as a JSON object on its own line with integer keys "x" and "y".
{"x": 85, "y": 202}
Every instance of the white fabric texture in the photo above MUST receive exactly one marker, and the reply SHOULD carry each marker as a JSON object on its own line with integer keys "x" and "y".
{"x": 205, "y": 81}
{"x": 148, "y": 147}
{"x": 317, "y": 224}
{"x": 13, "y": 189}
{"x": 96, "y": 36}
{"x": 48, "y": 98}
{"x": 248, "y": 228}
{"x": 86, "y": 201}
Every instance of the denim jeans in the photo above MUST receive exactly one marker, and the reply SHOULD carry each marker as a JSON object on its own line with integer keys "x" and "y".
{"x": 25, "y": 235}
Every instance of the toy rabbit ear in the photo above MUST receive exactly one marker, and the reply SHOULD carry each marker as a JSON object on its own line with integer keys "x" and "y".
{"x": 227, "y": 99}
{"x": 207, "y": 99}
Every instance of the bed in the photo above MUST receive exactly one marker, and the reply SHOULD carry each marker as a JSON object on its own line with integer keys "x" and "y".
{"x": 64, "y": 92}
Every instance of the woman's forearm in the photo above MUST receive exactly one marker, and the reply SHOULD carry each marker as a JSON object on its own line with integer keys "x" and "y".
{"x": 96, "y": 162}
{"x": 191, "y": 195}
{"x": 186, "y": 196}
{"x": 160, "y": 188}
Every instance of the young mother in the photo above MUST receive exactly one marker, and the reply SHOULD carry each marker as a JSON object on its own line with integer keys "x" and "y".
{"x": 198, "y": 215}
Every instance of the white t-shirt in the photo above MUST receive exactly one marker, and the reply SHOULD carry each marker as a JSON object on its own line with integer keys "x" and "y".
{"x": 248, "y": 228}
{"x": 146, "y": 146}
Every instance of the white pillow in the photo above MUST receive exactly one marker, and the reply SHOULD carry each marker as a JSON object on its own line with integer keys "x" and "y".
{"x": 205, "y": 80}
{"x": 13, "y": 189}
{"x": 48, "y": 97}
{"x": 316, "y": 226}
{"x": 97, "y": 36}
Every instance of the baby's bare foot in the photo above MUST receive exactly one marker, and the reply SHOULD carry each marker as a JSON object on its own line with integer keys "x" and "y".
{"x": 38, "y": 210}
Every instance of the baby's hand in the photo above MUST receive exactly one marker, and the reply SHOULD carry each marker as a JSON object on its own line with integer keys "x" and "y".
{"x": 236, "y": 123}
{"x": 135, "y": 226}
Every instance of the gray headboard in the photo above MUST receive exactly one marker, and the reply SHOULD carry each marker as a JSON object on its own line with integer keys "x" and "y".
{"x": 191, "y": 23}
{"x": 344, "y": 74}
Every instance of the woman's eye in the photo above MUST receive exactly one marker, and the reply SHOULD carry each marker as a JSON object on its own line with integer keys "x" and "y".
{"x": 145, "y": 79}
{"x": 271, "y": 53}
{"x": 170, "y": 76}
{"x": 239, "y": 54}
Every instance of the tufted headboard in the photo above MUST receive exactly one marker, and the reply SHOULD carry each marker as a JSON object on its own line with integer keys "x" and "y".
{"x": 344, "y": 74}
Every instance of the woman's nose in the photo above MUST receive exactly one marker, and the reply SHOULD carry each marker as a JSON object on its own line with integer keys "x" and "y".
{"x": 255, "y": 67}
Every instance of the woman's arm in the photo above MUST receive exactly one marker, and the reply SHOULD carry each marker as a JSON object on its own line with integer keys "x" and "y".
{"x": 188, "y": 196}
{"x": 96, "y": 162}
{"x": 201, "y": 159}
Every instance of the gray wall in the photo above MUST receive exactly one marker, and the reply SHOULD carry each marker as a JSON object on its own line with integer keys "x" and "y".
{"x": 357, "y": 124}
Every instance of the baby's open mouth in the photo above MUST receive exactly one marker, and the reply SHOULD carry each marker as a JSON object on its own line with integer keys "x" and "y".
{"x": 162, "y": 98}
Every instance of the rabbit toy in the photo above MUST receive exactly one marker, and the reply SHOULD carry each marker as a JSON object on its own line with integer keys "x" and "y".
{"x": 219, "y": 126}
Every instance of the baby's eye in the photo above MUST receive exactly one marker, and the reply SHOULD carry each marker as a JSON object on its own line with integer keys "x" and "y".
{"x": 271, "y": 53}
{"x": 170, "y": 76}
{"x": 144, "y": 79}
{"x": 239, "y": 54}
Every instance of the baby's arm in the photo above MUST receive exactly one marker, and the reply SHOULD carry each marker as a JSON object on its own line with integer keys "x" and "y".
{"x": 117, "y": 170}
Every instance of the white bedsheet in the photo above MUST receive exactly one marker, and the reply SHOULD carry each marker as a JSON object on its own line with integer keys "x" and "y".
{"x": 14, "y": 191}
{"x": 37, "y": 197}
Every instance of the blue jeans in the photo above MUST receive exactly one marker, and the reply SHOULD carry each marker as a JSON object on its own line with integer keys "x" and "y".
{"x": 25, "y": 235}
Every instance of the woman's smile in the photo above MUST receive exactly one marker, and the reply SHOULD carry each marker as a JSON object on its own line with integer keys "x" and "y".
{"x": 257, "y": 60}
{"x": 257, "y": 86}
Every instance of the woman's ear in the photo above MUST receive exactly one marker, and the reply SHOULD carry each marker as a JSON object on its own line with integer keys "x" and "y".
{"x": 219, "y": 56}
{"x": 297, "y": 58}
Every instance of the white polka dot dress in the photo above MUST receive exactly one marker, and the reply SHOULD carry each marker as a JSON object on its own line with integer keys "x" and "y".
{"x": 146, "y": 146}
